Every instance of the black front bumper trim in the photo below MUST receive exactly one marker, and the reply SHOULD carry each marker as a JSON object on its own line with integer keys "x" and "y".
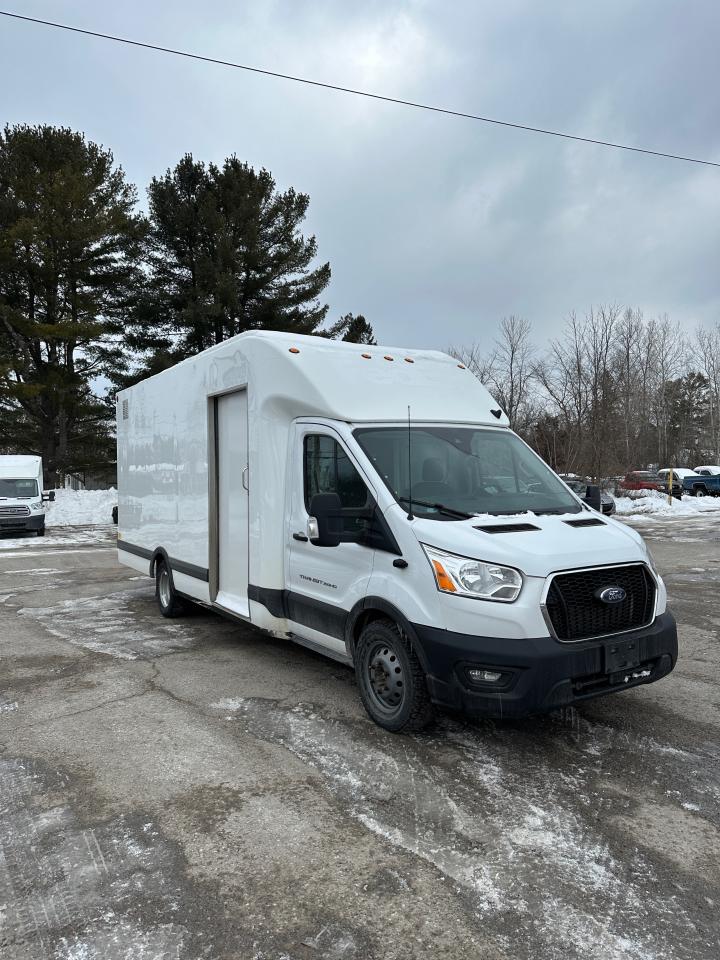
{"x": 22, "y": 524}
{"x": 544, "y": 673}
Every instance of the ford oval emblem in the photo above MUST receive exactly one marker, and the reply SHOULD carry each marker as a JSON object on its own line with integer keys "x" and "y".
{"x": 611, "y": 595}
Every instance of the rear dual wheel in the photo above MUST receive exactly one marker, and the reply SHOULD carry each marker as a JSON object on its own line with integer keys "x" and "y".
{"x": 392, "y": 682}
{"x": 171, "y": 603}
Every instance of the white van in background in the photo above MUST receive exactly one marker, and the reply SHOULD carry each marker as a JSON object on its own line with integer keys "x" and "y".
{"x": 22, "y": 502}
{"x": 372, "y": 503}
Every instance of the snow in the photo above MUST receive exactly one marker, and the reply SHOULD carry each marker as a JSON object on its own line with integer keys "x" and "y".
{"x": 79, "y": 507}
{"x": 656, "y": 503}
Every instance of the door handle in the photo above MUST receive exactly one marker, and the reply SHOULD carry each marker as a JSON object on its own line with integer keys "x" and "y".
{"x": 245, "y": 479}
{"x": 301, "y": 537}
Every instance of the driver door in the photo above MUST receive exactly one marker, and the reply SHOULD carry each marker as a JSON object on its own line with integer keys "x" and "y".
{"x": 324, "y": 583}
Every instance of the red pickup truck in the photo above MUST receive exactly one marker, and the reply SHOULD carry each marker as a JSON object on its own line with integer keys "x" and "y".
{"x": 640, "y": 480}
{"x": 645, "y": 480}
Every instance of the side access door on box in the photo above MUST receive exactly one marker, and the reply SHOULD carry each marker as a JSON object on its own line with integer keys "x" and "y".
{"x": 229, "y": 547}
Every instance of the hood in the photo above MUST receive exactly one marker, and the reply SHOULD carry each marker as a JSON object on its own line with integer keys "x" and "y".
{"x": 555, "y": 545}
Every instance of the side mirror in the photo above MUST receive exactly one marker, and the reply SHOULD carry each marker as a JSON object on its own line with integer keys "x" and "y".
{"x": 593, "y": 498}
{"x": 326, "y": 516}
{"x": 49, "y": 496}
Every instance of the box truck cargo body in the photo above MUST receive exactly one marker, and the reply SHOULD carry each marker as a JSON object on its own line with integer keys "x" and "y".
{"x": 372, "y": 503}
{"x": 22, "y": 502}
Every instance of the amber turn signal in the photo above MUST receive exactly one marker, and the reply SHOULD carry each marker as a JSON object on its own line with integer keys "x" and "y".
{"x": 444, "y": 581}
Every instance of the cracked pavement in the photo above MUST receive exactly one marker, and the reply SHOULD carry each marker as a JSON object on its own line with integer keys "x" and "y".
{"x": 194, "y": 789}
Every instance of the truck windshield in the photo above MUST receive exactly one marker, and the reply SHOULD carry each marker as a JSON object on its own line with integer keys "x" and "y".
{"x": 18, "y": 489}
{"x": 463, "y": 471}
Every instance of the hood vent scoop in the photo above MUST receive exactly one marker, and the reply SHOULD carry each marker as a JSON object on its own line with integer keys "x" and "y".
{"x": 508, "y": 528}
{"x": 586, "y": 522}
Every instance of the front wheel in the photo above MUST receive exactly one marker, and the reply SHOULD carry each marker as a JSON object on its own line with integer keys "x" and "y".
{"x": 391, "y": 679}
{"x": 41, "y": 532}
{"x": 171, "y": 605}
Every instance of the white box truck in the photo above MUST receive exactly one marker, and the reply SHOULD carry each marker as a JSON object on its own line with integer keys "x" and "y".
{"x": 280, "y": 480}
{"x": 22, "y": 501}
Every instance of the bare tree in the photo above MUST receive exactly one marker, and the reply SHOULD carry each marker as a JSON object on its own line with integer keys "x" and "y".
{"x": 508, "y": 370}
{"x": 612, "y": 392}
{"x": 708, "y": 352}
{"x": 628, "y": 361}
{"x": 561, "y": 374}
{"x": 669, "y": 353}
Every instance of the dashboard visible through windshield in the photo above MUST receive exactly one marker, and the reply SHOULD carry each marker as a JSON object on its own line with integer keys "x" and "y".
{"x": 17, "y": 489}
{"x": 459, "y": 472}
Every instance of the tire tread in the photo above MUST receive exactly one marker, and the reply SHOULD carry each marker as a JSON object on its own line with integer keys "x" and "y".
{"x": 422, "y": 710}
{"x": 177, "y": 606}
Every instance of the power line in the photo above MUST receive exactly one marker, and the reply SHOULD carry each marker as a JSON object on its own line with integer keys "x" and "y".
{"x": 357, "y": 93}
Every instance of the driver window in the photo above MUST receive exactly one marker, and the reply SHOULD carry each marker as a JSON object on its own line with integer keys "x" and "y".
{"x": 328, "y": 469}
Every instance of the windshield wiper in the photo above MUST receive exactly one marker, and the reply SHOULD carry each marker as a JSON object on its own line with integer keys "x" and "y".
{"x": 440, "y": 507}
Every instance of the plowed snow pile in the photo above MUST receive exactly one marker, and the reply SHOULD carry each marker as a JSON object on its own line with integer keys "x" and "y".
{"x": 657, "y": 504}
{"x": 74, "y": 508}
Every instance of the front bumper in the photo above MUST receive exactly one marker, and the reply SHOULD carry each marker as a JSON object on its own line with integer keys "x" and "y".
{"x": 18, "y": 524}
{"x": 541, "y": 674}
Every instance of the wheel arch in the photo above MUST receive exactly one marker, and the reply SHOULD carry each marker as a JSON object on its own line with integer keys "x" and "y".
{"x": 377, "y": 608}
{"x": 160, "y": 553}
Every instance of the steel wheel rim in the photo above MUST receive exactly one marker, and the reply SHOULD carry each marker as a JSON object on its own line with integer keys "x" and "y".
{"x": 385, "y": 677}
{"x": 164, "y": 587}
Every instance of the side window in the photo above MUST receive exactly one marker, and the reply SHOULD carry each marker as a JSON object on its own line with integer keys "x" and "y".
{"x": 328, "y": 469}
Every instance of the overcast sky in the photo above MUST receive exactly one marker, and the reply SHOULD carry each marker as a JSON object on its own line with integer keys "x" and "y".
{"x": 434, "y": 227}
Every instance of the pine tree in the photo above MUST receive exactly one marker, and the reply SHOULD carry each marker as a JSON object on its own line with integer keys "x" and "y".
{"x": 352, "y": 329}
{"x": 69, "y": 247}
{"x": 227, "y": 255}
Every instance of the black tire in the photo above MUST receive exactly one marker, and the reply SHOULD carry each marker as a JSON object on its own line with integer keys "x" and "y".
{"x": 41, "y": 532}
{"x": 392, "y": 682}
{"x": 699, "y": 490}
{"x": 115, "y": 514}
{"x": 171, "y": 605}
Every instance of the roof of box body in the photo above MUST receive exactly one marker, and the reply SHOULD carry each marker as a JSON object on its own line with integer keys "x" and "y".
{"x": 19, "y": 467}
{"x": 312, "y": 376}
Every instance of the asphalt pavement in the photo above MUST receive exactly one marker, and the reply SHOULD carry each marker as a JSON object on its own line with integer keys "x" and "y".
{"x": 194, "y": 789}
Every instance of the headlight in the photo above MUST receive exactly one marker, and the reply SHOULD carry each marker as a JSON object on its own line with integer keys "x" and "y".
{"x": 36, "y": 506}
{"x": 473, "y": 578}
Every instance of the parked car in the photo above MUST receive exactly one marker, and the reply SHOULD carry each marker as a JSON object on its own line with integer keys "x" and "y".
{"x": 645, "y": 480}
{"x": 678, "y": 475}
{"x": 702, "y": 485}
{"x": 640, "y": 480}
{"x": 708, "y": 471}
{"x": 678, "y": 472}
{"x": 580, "y": 486}
{"x": 22, "y": 500}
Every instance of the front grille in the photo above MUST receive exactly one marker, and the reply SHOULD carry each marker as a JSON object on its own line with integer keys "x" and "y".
{"x": 577, "y": 613}
{"x": 14, "y": 511}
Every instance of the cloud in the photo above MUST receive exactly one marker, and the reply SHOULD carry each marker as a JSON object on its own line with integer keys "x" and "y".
{"x": 435, "y": 227}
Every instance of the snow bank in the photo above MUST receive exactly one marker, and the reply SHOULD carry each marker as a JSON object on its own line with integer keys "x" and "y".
{"x": 74, "y": 508}
{"x": 655, "y": 503}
